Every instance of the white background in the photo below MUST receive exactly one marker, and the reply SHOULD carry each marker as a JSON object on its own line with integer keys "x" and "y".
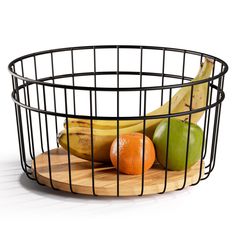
{"x": 28, "y": 26}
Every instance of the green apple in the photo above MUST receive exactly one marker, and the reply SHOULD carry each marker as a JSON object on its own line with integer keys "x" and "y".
{"x": 177, "y": 148}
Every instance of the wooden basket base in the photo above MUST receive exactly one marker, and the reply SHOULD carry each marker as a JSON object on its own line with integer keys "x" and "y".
{"x": 105, "y": 178}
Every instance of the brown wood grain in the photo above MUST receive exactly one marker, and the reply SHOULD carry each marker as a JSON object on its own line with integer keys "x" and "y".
{"x": 105, "y": 176}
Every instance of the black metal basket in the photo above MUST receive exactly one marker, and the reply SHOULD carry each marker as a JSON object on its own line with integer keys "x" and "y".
{"x": 54, "y": 85}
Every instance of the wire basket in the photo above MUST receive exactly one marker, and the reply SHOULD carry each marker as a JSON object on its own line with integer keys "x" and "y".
{"x": 94, "y": 94}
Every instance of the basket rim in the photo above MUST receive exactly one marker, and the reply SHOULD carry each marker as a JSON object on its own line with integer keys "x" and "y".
{"x": 142, "y": 117}
{"x": 184, "y": 51}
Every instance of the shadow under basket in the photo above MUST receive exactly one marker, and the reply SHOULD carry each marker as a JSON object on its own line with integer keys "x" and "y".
{"x": 112, "y": 83}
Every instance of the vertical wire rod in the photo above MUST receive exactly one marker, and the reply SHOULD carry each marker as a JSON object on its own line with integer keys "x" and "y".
{"x": 203, "y": 137}
{"x": 47, "y": 138}
{"x": 188, "y": 140}
{"x": 183, "y": 66}
{"x": 163, "y": 72}
{"x": 167, "y": 143}
{"x": 95, "y": 79}
{"x": 204, "y": 131}
{"x": 32, "y": 135}
{"x": 221, "y": 84}
{"x": 14, "y": 82}
{"x": 143, "y": 151}
{"x": 38, "y": 104}
{"x": 209, "y": 111}
{"x": 26, "y": 111}
{"x": 21, "y": 128}
{"x": 217, "y": 119}
{"x": 91, "y": 137}
{"x": 141, "y": 80}
{"x": 118, "y": 129}
{"x": 68, "y": 142}
{"x": 54, "y": 94}
{"x": 73, "y": 79}
{"x": 201, "y": 57}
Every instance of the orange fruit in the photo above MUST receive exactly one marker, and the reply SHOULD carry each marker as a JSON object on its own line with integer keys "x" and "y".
{"x": 131, "y": 153}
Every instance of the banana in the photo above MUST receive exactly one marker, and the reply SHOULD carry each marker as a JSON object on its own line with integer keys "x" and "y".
{"x": 80, "y": 136}
{"x": 80, "y": 143}
{"x": 111, "y": 124}
{"x": 99, "y": 124}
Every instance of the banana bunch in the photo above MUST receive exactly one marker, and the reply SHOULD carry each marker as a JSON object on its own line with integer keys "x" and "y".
{"x": 104, "y": 132}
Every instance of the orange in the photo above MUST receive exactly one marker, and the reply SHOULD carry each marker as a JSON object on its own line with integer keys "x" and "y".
{"x": 131, "y": 153}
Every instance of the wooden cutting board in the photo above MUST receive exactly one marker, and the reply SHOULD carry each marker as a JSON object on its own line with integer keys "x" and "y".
{"x": 105, "y": 177}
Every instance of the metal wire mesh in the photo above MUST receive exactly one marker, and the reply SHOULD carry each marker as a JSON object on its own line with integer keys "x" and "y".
{"x": 54, "y": 85}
